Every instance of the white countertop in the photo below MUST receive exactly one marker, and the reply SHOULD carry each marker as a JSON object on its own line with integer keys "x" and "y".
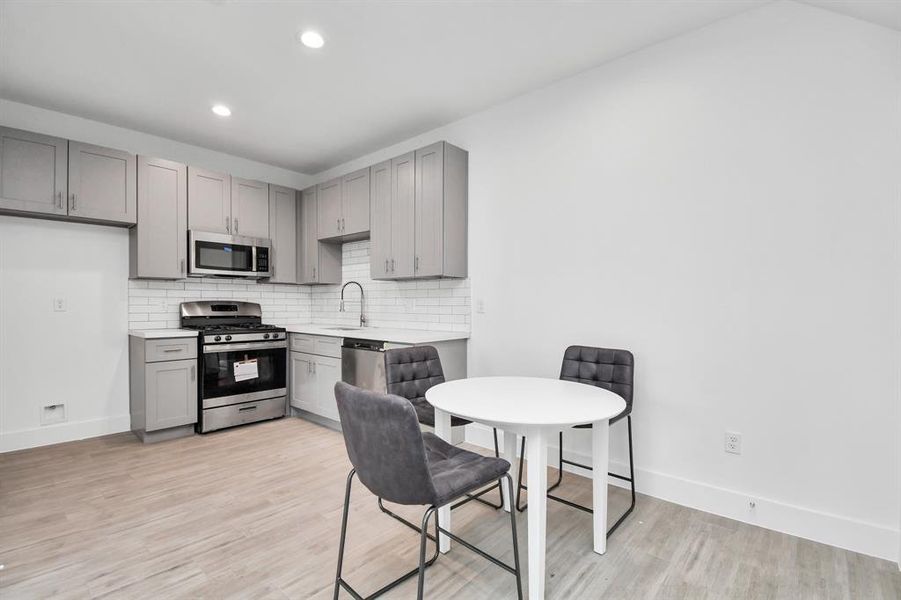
{"x": 162, "y": 333}
{"x": 382, "y": 334}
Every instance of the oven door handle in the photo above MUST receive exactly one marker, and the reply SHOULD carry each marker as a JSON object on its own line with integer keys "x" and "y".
{"x": 211, "y": 349}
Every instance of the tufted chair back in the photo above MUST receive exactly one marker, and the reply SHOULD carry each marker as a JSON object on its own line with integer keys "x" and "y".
{"x": 409, "y": 372}
{"x": 601, "y": 367}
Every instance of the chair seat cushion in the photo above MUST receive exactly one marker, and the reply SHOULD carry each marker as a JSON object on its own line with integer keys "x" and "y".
{"x": 425, "y": 412}
{"x": 456, "y": 472}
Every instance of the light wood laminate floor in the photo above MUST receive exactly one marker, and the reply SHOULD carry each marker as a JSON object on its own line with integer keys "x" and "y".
{"x": 255, "y": 512}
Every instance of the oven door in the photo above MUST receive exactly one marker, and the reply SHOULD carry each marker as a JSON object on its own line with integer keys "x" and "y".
{"x": 264, "y": 378}
{"x": 227, "y": 255}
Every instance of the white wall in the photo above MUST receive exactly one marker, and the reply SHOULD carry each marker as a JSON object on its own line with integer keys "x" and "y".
{"x": 725, "y": 204}
{"x": 78, "y": 357}
{"x": 32, "y": 118}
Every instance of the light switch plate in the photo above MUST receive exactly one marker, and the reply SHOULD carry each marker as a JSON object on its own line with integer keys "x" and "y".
{"x": 59, "y": 304}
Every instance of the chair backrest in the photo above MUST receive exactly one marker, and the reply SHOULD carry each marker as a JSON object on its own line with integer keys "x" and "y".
{"x": 409, "y": 372}
{"x": 384, "y": 443}
{"x": 603, "y": 367}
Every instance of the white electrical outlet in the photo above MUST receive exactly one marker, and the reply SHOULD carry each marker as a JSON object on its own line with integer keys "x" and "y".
{"x": 59, "y": 304}
{"x": 733, "y": 442}
{"x": 480, "y": 306}
{"x": 53, "y": 413}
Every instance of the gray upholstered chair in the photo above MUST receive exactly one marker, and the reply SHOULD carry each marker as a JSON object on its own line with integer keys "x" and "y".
{"x": 397, "y": 462}
{"x": 611, "y": 370}
{"x": 409, "y": 373}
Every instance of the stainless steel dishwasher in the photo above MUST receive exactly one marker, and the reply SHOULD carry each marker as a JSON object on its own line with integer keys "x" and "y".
{"x": 363, "y": 364}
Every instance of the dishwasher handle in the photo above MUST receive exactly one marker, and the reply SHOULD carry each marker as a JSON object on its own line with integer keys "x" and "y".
{"x": 370, "y": 345}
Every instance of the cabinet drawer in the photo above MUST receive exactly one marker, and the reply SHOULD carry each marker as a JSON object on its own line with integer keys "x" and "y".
{"x": 170, "y": 349}
{"x": 316, "y": 344}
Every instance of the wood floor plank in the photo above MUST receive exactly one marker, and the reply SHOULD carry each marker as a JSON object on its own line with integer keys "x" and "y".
{"x": 254, "y": 512}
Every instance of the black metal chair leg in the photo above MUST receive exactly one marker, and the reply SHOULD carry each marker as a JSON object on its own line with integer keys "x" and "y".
{"x": 630, "y": 479}
{"x": 522, "y": 486}
{"x": 423, "y": 539}
{"x": 515, "y": 540}
{"x": 350, "y": 477}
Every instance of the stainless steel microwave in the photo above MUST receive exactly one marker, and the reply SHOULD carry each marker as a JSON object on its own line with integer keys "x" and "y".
{"x": 218, "y": 254}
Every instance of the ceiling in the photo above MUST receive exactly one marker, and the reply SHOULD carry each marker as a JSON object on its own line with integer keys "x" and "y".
{"x": 881, "y": 12}
{"x": 388, "y": 71}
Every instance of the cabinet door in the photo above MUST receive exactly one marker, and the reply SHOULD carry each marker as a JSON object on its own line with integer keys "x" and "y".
{"x": 429, "y": 253}
{"x": 329, "y": 217}
{"x": 171, "y": 394}
{"x": 380, "y": 217}
{"x": 161, "y": 237}
{"x": 303, "y": 382}
{"x": 209, "y": 201}
{"x": 32, "y": 172}
{"x": 283, "y": 233}
{"x": 250, "y": 208}
{"x": 308, "y": 239}
{"x": 102, "y": 183}
{"x": 328, "y": 373}
{"x": 402, "y": 215}
{"x": 355, "y": 203}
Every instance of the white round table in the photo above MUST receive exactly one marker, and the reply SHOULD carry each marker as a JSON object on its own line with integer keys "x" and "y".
{"x": 536, "y": 408}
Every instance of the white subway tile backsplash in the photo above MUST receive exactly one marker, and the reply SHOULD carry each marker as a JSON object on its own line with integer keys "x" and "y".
{"x": 437, "y": 304}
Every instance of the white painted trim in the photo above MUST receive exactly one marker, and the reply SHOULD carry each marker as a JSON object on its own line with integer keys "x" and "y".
{"x": 827, "y": 528}
{"x": 62, "y": 432}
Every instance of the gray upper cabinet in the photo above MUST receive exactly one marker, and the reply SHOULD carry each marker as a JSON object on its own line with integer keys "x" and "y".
{"x": 102, "y": 183}
{"x": 209, "y": 201}
{"x": 283, "y": 233}
{"x": 440, "y": 213}
{"x": 380, "y": 211}
{"x": 250, "y": 208}
{"x": 403, "y": 171}
{"x": 32, "y": 172}
{"x": 159, "y": 242}
{"x": 355, "y": 190}
{"x": 317, "y": 262}
{"x": 329, "y": 212}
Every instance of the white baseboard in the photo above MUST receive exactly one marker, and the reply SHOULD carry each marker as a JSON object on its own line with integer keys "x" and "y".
{"x": 843, "y": 532}
{"x": 62, "y": 432}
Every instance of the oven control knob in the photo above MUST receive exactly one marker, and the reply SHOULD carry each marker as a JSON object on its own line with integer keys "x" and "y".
{"x": 275, "y": 336}
{"x": 228, "y": 337}
{"x": 265, "y": 336}
{"x": 217, "y": 338}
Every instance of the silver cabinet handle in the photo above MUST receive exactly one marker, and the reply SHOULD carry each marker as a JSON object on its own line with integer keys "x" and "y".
{"x": 182, "y": 266}
{"x": 416, "y": 263}
{"x": 342, "y": 224}
{"x": 236, "y": 225}
{"x": 74, "y": 202}
{"x": 193, "y": 372}
{"x": 314, "y": 273}
{"x": 392, "y": 265}
{"x": 59, "y": 199}
{"x": 338, "y": 223}
{"x": 386, "y": 265}
{"x": 309, "y": 367}
{"x": 227, "y": 225}
{"x": 173, "y": 349}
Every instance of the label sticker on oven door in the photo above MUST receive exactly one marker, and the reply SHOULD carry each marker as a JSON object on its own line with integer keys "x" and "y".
{"x": 246, "y": 369}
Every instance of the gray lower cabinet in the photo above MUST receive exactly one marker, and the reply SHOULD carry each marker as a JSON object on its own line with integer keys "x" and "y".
{"x": 32, "y": 172}
{"x": 159, "y": 241}
{"x": 209, "y": 201}
{"x": 313, "y": 376}
{"x": 163, "y": 387}
{"x": 317, "y": 262}
{"x": 250, "y": 207}
{"x": 102, "y": 184}
{"x": 283, "y": 234}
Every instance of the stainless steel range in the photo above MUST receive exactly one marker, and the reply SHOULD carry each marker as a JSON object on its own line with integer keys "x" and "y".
{"x": 243, "y": 363}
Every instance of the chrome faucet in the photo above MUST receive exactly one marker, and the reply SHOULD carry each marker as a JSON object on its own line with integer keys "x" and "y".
{"x": 341, "y": 308}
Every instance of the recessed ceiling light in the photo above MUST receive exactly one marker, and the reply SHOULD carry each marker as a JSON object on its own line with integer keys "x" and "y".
{"x": 222, "y": 110}
{"x": 311, "y": 39}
